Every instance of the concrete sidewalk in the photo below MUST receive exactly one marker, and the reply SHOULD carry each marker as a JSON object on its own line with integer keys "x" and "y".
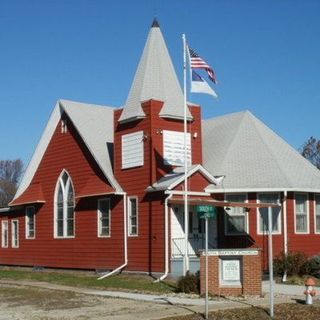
{"x": 285, "y": 289}
{"x": 283, "y": 293}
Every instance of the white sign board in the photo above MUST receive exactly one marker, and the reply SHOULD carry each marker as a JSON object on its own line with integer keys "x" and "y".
{"x": 230, "y": 270}
{"x": 173, "y": 148}
{"x": 232, "y": 252}
{"x": 132, "y": 150}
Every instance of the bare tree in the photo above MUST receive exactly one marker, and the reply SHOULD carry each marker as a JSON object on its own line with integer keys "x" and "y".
{"x": 311, "y": 151}
{"x": 10, "y": 174}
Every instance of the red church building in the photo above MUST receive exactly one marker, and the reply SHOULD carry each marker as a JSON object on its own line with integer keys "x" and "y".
{"x": 103, "y": 189}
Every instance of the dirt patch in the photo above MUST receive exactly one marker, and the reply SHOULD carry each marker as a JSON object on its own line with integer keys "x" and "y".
{"x": 29, "y": 303}
{"x": 292, "y": 311}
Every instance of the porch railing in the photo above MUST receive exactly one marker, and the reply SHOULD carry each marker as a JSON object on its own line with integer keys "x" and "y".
{"x": 194, "y": 245}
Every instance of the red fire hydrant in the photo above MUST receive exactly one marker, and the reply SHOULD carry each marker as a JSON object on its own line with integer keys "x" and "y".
{"x": 310, "y": 292}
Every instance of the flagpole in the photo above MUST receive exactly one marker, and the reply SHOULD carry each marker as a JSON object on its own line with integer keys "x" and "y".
{"x": 186, "y": 215}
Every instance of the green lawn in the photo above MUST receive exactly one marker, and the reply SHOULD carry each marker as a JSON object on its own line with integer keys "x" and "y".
{"x": 139, "y": 283}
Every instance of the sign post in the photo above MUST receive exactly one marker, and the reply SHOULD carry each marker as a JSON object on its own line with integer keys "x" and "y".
{"x": 206, "y": 212}
{"x": 270, "y": 249}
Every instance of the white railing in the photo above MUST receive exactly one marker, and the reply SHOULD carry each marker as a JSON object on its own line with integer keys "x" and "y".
{"x": 194, "y": 245}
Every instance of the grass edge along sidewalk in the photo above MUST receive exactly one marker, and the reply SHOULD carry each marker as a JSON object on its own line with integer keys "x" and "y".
{"x": 120, "y": 282}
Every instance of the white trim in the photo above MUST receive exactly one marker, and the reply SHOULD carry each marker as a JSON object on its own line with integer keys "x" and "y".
{"x": 308, "y": 213}
{"x": 65, "y": 207}
{"x": 279, "y": 232}
{"x": 27, "y": 222}
{"x": 129, "y": 217}
{"x": 190, "y": 193}
{"x": 13, "y": 235}
{"x": 262, "y": 190}
{"x": 245, "y": 214}
{"x": 99, "y": 218}
{"x": 125, "y": 239}
{"x": 190, "y": 172}
{"x": 316, "y": 195}
{"x": 4, "y": 222}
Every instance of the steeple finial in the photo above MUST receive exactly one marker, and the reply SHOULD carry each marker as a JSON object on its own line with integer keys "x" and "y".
{"x": 155, "y": 23}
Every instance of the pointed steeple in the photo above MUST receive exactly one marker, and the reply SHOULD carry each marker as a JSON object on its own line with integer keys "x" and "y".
{"x": 155, "y": 23}
{"x": 155, "y": 78}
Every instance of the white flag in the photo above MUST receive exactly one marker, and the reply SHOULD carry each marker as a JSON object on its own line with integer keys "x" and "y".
{"x": 199, "y": 85}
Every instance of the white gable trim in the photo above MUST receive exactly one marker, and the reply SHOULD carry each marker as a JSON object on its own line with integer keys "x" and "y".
{"x": 43, "y": 145}
{"x": 191, "y": 171}
{"x": 40, "y": 150}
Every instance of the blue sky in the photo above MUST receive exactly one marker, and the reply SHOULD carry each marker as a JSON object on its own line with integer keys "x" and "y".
{"x": 266, "y": 55}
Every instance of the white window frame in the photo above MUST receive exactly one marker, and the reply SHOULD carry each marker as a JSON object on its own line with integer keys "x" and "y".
{"x": 27, "y": 217}
{"x": 308, "y": 213}
{"x": 316, "y": 213}
{"x": 132, "y": 150}
{"x": 99, "y": 213}
{"x": 279, "y": 222}
{"x": 130, "y": 233}
{"x": 14, "y": 237}
{"x": 65, "y": 189}
{"x": 244, "y": 214}
{"x": 3, "y": 228}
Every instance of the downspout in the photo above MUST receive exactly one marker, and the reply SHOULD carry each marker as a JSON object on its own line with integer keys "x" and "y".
{"x": 285, "y": 231}
{"x": 166, "y": 239}
{"x": 125, "y": 239}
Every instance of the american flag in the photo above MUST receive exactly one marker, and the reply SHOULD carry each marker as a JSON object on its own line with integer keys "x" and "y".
{"x": 196, "y": 62}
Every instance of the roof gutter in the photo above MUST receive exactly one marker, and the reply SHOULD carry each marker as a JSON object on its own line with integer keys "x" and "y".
{"x": 190, "y": 193}
{"x": 166, "y": 239}
{"x": 234, "y": 190}
{"x": 285, "y": 230}
{"x": 124, "y": 194}
{"x": 3, "y": 210}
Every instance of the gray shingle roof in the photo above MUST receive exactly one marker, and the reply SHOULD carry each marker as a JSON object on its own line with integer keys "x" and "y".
{"x": 155, "y": 78}
{"x": 253, "y": 157}
{"x": 94, "y": 124}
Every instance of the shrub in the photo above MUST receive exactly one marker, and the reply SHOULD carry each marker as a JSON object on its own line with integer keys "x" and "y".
{"x": 314, "y": 266}
{"x": 189, "y": 283}
{"x": 295, "y": 263}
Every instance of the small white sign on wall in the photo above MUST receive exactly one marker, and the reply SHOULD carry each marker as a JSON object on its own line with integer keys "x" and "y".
{"x": 132, "y": 150}
{"x": 173, "y": 148}
{"x": 230, "y": 271}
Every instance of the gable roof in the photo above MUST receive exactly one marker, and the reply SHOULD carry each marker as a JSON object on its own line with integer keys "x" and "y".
{"x": 174, "y": 178}
{"x": 253, "y": 157}
{"x": 155, "y": 78}
{"x": 94, "y": 124}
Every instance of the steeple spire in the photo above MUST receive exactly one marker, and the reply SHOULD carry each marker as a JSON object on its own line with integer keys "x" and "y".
{"x": 155, "y": 23}
{"x": 155, "y": 78}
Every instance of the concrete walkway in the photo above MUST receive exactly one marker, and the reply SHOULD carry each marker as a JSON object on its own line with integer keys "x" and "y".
{"x": 285, "y": 289}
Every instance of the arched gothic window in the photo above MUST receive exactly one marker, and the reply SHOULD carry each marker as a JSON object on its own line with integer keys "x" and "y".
{"x": 64, "y": 207}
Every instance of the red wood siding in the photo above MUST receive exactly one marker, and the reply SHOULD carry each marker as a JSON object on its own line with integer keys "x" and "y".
{"x": 67, "y": 151}
{"x": 306, "y": 243}
{"x": 146, "y": 251}
{"x": 197, "y": 183}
